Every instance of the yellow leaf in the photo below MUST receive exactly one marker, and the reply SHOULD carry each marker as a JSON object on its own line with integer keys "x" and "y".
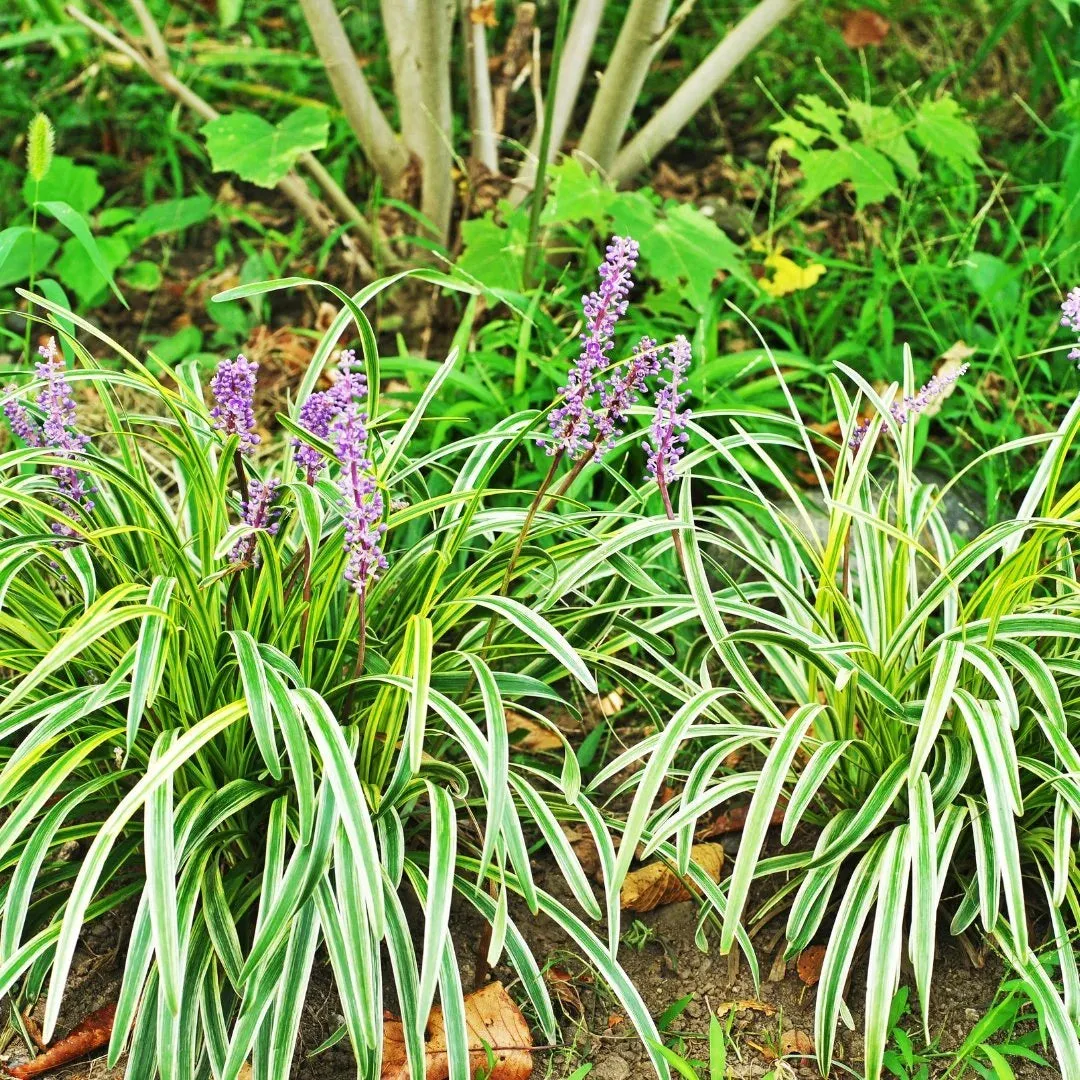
{"x": 788, "y": 276}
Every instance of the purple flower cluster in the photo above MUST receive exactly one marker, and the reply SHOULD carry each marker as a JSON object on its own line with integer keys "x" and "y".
{"x": 57, "y": 432}
{"x": 1070, "y": 317}
{"x": 668, "y": 436}
{"x": 361, "y": 500}
{"x": 259, "y": 512}
{"x": 233, "y": 387}
{"x": 572, "y": 422}
{"x": 321, "y": 409}
{"x": 621, "y": 391}
{"x": 903, "y": 410}
{"x": 22, "y": 424}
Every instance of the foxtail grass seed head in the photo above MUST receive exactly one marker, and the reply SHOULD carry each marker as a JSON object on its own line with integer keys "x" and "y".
{"x": 572, "y": 422}
{"x": 40, "y": 139}
{"x": 668, "y": 437}
{"x": 908, "y": 407}
{"x": 233, "y": 387}
{"x": 259, "y": 512}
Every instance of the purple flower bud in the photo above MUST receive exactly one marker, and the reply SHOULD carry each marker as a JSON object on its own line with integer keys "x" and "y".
{"x": 621, "y": 391}
{"x": 259, "y": 512}
{"x": 903, "y": 410}
{"x": 233, "y": 387}
{"x": 572, "y": 422}
{"x": 668, "y": 437}
{"x": 320, "y": 409}
{"x": 361, "y": 501}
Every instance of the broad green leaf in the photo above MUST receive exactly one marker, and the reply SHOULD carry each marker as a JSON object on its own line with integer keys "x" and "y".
{"x": 260, "y": 152}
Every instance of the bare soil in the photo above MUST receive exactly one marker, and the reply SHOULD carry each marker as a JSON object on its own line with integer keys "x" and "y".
{"x": 660, "y": 956}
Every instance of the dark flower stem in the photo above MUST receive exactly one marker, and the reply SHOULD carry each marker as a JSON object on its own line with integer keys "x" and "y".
{"x": 361, "y": 650}
{"x": 676, "y": 538}
{"x": 570, "y": 477}
{"x": 241, "y": 475}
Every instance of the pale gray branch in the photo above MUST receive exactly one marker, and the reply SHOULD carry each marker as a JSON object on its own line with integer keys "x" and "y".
{"x": 699, "y": 86}
{"x": 292, "y": 185}
{"x": 481, "y": 103}
{"x": 155, "y": 40}
{"x": 377, "y": 139}
{"x": 623, "y": 79}
{"x": 580, "y": 39}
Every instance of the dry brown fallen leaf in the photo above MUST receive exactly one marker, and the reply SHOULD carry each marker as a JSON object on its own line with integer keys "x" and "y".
{"x": 91, "y": 1034}
{"x": 564, "y": 991}
{"x": 733, "y": 820}
{"x": 809, "y": 964}
{"x": 750, "y": 1005}
{"x": 527, "y": 734}
{"x": 864, "y": 27}
{"x": 658, "y": 884}
{"x": 493, "y": 1021}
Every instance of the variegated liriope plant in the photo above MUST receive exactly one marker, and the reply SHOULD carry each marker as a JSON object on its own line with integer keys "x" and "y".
{"x": 264, "y": 687}
{"x": 913, "y": 699}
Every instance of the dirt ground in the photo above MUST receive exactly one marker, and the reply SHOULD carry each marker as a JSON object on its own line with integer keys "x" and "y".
{"x": 660, "y": 956}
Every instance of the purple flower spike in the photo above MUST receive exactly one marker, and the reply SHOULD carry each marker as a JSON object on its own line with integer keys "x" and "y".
{"x": 1070, "y": 317}
{"x": 668, "y": 437}
{"x": 621, "y": 391}
{"x": 904, "y": 410}
{"x": 233, "y": 386}
{"x": 320, "y": 410}
{"x": 572, "y": 422}
{"x": 361, "y": 500}
{"x": 22, "y": 424}
{"x": 59, "y": 434}
{"x": 316, "y": 415}
{"x": 259, "y": 512}
{"x": 1070, "y": 310}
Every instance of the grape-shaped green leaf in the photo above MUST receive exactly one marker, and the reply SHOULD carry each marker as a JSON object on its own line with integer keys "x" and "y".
{"x": 263, "y": 153}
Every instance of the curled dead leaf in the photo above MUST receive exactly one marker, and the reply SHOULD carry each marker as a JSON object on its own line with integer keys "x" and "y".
{"x": 482, "y": 13}
{"x": 561, "y": 984}
{"x": 657, "y": 883}
{"x": 494, "y": 1024}
{"x": 748, "y": 1005}
{"x": 529, "y": 735}
{"x": 733, "y": 820}
{"x": 796, "y": 1043}
{"x": 864, "y": 27}
{"x": 89, "y": 1035}
{"x": 809, "y": 964}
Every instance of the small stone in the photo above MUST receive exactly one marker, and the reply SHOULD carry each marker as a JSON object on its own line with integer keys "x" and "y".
{"x": 611, "y": 1068}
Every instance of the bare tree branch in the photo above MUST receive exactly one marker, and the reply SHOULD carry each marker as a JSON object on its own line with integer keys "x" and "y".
{"x": 155, "y": 40}
{"x": 291, "y": 185}
{"x": 481, "y": 105}
{"x": 623, "y": 79}
{"x": 580, "y": 40}
{"x": 699, "y": 86}
{"x": 377, "y": 139}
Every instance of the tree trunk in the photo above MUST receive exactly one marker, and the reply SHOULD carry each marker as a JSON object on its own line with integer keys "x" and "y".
{"x": 575, "y": 63}
{"x": 699, "y": 86}
{"x": 623, "y": 79}
{"x": 377, "y": 139}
